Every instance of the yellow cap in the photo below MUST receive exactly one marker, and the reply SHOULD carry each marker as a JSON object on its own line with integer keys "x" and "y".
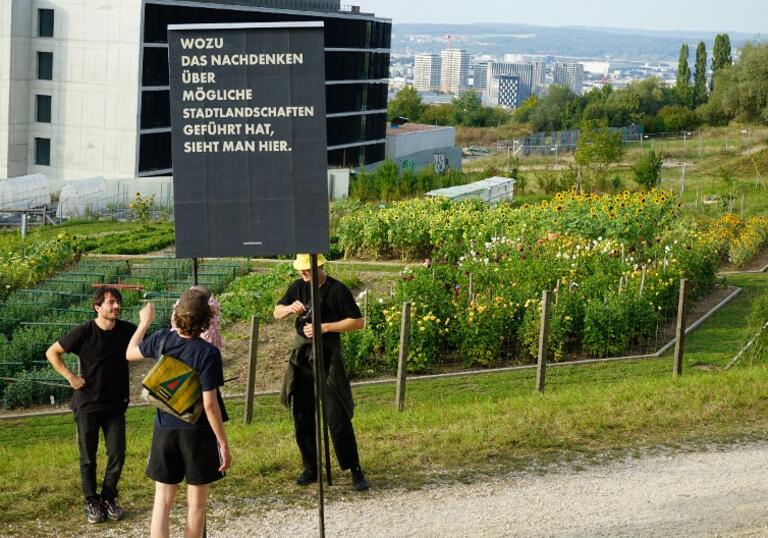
{"x": 304, "y": 263}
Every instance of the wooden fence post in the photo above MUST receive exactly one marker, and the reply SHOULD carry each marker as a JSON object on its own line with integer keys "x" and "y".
{"x": 250, "y": 383}
{"x": 680, "y": 329}
{"x": 541, "y": 368}
{"x": 402, "y": 362}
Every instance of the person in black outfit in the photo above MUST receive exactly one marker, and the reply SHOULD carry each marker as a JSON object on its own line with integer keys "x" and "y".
{"x": 339, "y": 313}
{"x": 100, "y": 398}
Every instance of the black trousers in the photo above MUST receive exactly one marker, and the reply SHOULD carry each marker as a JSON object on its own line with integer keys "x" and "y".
{"x": 112, "y": 423}
{"x": 339, "y": 423}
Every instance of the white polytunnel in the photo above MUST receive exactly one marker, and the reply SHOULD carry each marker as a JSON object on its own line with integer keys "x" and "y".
{"x": 25, "y": 192}
{"x": 82, "y": 196}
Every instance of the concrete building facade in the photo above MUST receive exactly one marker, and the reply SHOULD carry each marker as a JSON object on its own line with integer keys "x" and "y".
{"x": 504, "y": 91}
{"x": 480, "y": 77}
{"x": 570, "y": 75}
{"x": 427, "y": 72}
{"x": 455, "y": 71}
{"x": 84, "y": 83}
{"x": 522, "y": 70}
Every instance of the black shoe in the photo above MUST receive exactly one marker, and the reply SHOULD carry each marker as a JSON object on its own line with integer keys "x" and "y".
{"x": 308, "y": 476}
{"x": 112, "y": 509}
{"x": 94, "y": 513}
{"x": 359, "y": 482}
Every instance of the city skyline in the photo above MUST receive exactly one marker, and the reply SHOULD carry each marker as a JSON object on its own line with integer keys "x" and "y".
{"x": 744, "y": 16}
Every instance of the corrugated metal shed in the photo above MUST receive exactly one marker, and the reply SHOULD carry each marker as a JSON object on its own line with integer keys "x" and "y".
{"x": 491, "y": 190}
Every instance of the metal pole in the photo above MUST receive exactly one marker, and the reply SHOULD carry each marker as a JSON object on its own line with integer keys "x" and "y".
{"x": 251, "y": 381}
{"x": 194, "y": 272}
{"x": 319, "y": 375}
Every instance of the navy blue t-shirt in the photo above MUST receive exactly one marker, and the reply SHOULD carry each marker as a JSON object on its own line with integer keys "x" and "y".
{"x": 195, "y": 353}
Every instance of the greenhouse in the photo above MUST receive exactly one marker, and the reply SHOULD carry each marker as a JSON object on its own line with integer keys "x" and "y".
{"x": 81, "y": 197}
{"x": 25, "y": 192}
{"x": 491, "y": 190}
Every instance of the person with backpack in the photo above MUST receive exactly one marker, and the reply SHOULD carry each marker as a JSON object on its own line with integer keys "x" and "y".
{"x": 196, "y": 452}
{"x": 100, "y": 398}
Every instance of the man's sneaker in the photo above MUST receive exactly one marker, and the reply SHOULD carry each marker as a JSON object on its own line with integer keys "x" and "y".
{"x": 359, "y": 482}
{"x": 113, "y": 510}
{"x": 94, "y": 513}
{"x": 308, "y": 476}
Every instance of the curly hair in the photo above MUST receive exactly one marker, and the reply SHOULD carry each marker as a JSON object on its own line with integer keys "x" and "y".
{"x": 192, "y": 314}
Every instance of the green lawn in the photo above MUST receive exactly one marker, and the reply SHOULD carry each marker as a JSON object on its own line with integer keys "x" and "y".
{"x": 452, "y": 429}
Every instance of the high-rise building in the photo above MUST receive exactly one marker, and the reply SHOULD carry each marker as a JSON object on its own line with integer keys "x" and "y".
{"x": 539, "y": 71}
{"x": 522, "y": 70}
{"x": 455, "y": 71}
{"x": 426, "y": 72}
{"x": 570, "y": 75}
{"x": 84, "y": 84}
{"x": 504, "y": 90}
{"x": 480, "y": 77}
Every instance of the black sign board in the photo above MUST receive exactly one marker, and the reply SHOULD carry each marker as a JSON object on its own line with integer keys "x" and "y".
{"x": 249, "y": 139}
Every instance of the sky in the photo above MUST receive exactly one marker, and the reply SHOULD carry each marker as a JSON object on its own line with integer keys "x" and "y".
{"x": 748, "y": 16}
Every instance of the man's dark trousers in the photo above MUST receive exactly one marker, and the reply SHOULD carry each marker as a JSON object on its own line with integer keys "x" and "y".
{"x": 339, "y": 423}
{"x": 112, "y": 423}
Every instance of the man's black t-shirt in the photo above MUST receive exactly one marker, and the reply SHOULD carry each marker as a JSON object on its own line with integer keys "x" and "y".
{"x": 336, "y": 303}
{"x": 198, "y": 354}
{"x": 103, "y": 365}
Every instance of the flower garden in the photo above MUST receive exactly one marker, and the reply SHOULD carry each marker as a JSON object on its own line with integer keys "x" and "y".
{"x": 613, "y": 262}
{"x": 475, "y": 280}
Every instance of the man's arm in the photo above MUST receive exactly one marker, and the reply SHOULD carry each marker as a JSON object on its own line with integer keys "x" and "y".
{"x": 54, "y": 356}
{"x": 342, "y": 326}
{"x": 146, "y": 315}
{"x": 282, "y": 311}
{"x": 213, "y": 412}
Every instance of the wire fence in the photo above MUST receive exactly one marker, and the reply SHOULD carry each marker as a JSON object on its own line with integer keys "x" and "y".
{"x": 637, "y": 339}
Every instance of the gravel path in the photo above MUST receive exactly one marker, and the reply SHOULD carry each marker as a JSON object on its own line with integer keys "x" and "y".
{"x": 723, "y": 493}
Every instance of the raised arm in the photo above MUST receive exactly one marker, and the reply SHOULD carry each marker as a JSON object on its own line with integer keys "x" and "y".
{"x": 146, "y": 316}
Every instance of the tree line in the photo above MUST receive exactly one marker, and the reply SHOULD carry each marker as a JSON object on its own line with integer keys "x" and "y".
{"x": 735, "y": 90}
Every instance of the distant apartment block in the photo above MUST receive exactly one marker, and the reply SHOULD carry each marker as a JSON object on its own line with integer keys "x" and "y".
{"x": 539, "y": 76}
{"x": 504, "y": 91}
{"x": 427, "y": 72}
{"x": 84, "y": 84}
{"x": 455, "y": 71}
{"x": 570, "y": 75}
{"x": 480, "y": 77}
{"x": 523, "y": 71}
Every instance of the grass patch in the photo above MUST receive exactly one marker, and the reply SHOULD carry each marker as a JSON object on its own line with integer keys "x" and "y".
{"x": 452, "y": 430}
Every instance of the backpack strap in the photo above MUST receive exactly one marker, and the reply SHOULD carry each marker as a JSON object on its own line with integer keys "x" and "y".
{"x": 161, "y": 347}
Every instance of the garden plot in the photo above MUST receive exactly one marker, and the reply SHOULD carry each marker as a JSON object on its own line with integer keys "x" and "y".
{"x": 32, "y": 319}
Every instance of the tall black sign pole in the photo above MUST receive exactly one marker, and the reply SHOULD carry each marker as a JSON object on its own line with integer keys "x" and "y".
{"x": 319, "y": 371}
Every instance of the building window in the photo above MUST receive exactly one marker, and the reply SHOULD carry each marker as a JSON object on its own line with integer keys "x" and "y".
{"x": 43, "y": 109}
{"x": 43, "y": 151}
{"x": 45, "y": 66}
{"x": 45, "y": 23}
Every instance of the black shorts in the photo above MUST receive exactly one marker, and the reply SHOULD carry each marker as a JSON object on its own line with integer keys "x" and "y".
{"x": 184, "y": 454}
